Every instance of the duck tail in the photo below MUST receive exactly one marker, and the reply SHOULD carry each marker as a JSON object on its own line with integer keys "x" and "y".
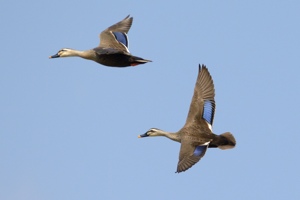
{"x": 228, "y": 141}
{"x": 141, "y": 60}
{"x": 137, "y": 61}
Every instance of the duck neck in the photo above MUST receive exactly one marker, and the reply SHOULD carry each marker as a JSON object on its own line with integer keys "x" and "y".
{"x": 89, "y": 54}
{"x": 172, "y": 136}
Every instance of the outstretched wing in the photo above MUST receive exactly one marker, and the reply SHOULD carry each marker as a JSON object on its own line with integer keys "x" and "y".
{"x": 115, "y": 36}
{"x": 203, "y": 103}
{"x": 190, "y": 155}
{"x": 122, "y": 26}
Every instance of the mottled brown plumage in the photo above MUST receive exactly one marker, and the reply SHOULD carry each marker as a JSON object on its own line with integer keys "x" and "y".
{"x": 196, "y": 135}
{"x": 112, "y": 50}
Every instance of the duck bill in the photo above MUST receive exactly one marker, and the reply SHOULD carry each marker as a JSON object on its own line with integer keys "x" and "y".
{"x": 143, "y": 135}
{"x": 54, "y": 56}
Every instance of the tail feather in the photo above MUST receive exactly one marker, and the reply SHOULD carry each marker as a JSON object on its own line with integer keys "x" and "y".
{"x": 229, "y": 141}
{"x": 142, "y": 61}
{"x": 134, "y": 60}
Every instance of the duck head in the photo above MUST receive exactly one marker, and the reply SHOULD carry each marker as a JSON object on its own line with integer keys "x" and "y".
{"x": 152, "y": 132}
{"x": 65, "y": 52}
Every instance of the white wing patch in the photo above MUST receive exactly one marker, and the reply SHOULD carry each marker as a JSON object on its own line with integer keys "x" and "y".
{"x": 209, "y": 126}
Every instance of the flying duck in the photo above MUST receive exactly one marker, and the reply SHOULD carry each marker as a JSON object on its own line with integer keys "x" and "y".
{"x": 196, "y": 135}
{"x": 112, "y": 50}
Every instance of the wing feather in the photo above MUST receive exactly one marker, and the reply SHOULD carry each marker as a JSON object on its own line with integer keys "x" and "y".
{"x": 190, "y": 155}
{"x": 115, "y": 36}
{"x": 203, "y": 103}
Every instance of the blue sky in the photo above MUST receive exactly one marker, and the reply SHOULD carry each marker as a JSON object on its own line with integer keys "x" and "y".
{"x": 68, "y": 127}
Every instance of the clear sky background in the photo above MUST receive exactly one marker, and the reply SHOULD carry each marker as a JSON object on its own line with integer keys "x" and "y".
{"x": 69, "y": 126}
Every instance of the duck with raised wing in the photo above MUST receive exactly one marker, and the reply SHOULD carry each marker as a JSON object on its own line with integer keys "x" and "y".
{"x": 196, "y": 135}
{"x": 112, "y": 50}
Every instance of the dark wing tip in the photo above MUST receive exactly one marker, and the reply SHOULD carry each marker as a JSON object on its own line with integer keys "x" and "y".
{"x": 202, "y": 66}
{"x": 187, "y": 163}
{"x": 129, "y": 18}
{"x": 184, "y": 167}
